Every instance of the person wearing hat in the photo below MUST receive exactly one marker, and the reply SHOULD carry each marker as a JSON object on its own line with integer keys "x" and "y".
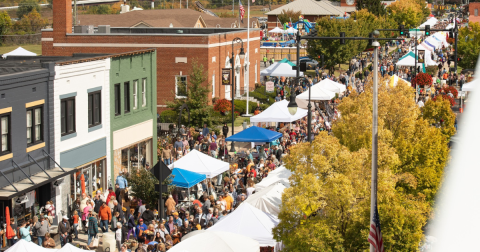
{"x": 42, "y": 228}
{"x": 64, "y": 229}
{"x": 177, "y": 220}
{"x": 200, "y": 137}
{"x": 140, "y": 228}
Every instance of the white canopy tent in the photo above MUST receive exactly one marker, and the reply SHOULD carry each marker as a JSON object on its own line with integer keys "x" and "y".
{"x": 70, "y": 248}
{"x": 332, "y": 86}
{"x": 279, "y": 69}
{"x": 24, "y": 246}
{"x": 278, "y": 112}
{"x": 20, "y": 51}
{"x": 281, "y": 174}
{"x": 269, "y": 199}
{"x": 291, "y": 30}
{"x": 276, "y": 30}
{"x": 470, "y": 86}
{"x": 431, "y": 21}
{"x": 212, "y": 241}
{"x": 251, "y": 222}
{"x": 318, "y": 94}
{"x": 195, "y": 161}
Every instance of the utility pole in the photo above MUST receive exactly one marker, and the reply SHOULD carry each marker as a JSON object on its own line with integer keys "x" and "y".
{"x": 456, "y": 41}
{"x": 373, "y": 197}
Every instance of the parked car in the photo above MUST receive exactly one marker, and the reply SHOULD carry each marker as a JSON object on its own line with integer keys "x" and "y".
{"x": 311, "y": 63}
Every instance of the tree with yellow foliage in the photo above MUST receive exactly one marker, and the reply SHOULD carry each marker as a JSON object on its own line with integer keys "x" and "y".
{"x": 439, "y": 112}
{"x": 410, "y": 13}
{"x": 328, "y": 204}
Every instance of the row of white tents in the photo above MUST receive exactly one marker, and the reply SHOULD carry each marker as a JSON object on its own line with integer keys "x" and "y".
{"x": 25, "y": 246}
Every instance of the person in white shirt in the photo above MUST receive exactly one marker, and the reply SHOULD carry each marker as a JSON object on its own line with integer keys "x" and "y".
{"x": 118, "y": 235}
{"x": 420, "y": 103}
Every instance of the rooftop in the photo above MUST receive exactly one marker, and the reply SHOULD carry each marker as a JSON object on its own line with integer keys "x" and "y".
{"x": 15, "y": 64}
{"x": 309, "y": 7}
{"x": 158, "y": 18}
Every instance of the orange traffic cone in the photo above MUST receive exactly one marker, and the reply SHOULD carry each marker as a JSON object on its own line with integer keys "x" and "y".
{"x": 461, "y": 110}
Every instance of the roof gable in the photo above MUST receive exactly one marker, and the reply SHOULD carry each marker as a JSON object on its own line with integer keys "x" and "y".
{"x": 309, "y": 7}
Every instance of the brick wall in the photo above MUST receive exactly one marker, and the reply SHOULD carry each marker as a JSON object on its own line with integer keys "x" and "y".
{"x": 471, "y": 9}
{"x": 202, "y": 48}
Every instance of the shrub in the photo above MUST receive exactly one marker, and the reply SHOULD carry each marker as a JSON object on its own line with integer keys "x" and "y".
{"x": 422, "y": 79}
{"x": 446, "y": 97}
{"x": 169, "y": 116}
{"x": 240, "y": 106}
{"x": 432, "y": 70}
{"x": 222, "y": 105}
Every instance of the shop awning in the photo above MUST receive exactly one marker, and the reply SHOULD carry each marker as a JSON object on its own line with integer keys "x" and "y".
{"x": 23, "y": 186}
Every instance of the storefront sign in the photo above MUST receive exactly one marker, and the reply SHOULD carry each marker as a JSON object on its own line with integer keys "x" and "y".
{"x": 269, "y": 86}
{"x": 226, "y": 76}
{"x": 21, "y": 199}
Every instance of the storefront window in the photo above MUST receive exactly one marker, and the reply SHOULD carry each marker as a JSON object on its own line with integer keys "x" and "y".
{"x": 137, "y": 155}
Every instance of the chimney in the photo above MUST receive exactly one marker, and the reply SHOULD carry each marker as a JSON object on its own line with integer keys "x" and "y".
{"x": 62, "y": 20}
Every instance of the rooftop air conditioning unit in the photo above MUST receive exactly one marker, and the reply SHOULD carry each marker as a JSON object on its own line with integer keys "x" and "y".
{"x": 104, "y": 29}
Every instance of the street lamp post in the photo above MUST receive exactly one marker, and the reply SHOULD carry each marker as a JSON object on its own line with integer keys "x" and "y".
{"x": 232, "y": 61}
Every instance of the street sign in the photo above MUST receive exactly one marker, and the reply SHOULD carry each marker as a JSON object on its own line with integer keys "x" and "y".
{"x": 269, "y": 86}
{"x": 161, "y": 171}
{"x": 226, "y": 76}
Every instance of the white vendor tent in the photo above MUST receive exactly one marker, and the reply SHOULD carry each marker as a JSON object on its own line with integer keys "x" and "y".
{"x": 291, "y": 30}
{"x": 211, "y": 241}
{"x": 24, "y": 246}
{"x": 431, "y": 21}
{"x": 19, "y": 52}
{"x": 70, "y": 248}
{"x": 251, "y": 222}
{"x": 269, "y": 199}
{"x": 279, "y": 69}
{"x": 278, "y": 112}
{"x": 281, "y": 174}
{"x": 195, "y": 161}
{"x": 276, "y": 30}
{"x": 318, "y": 94}
{"x": 470, "y": 86}
{"x": 331, "y": 85}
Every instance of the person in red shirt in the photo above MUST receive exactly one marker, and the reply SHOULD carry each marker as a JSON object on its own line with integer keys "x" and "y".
{"x": 110, "y": 194}
{"x": 292, "y": 134}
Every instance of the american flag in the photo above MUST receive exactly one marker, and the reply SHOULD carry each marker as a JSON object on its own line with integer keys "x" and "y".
{"x": 242, "y": 10}
{"x": 375, "y": 236}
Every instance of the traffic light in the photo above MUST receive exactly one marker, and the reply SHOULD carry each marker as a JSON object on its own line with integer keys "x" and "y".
{"x": 450, "y": 33}
{"x": 342, "y": 41}
{"x": 402, "y": 30}
{"x": 459, "y": 59}
{"x": 370, "y": 39}
{"x": 427, "y": 30}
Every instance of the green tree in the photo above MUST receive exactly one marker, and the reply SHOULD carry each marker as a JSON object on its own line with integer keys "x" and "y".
{"x": 99, "y": 9}
{"x": 469, "y": 45}
{"x": 27, "y": 6}
{"x": 289, "y": 15}
{"x": 5, "y": 24}
{"x": 408, "y": 12}
{"x": 31, "y": 23}
{"x": 143, "y": 184}
{"x": 373, "y": 6}
{"x": 196, "y": 97}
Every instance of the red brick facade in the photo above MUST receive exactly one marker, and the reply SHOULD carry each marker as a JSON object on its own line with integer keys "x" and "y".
{"x": 471, "y": 8}
{"x": 210, "y": 50}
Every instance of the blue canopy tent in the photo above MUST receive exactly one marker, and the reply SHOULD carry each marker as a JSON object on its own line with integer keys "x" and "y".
{"x": 186, "y": 179}
{"x": 254, "y": 134}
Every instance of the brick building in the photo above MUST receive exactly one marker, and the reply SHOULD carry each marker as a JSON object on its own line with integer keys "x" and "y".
{"x": 474, "y": 8}
{"x": 176, "y": 48}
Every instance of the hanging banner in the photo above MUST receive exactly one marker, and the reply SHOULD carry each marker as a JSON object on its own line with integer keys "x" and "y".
{"x": 269, "y": 86}
{"x": 421, "y": 56}
{"x": 226, "y": 76}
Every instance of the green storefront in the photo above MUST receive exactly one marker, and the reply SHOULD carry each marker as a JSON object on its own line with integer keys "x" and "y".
{"x": 133, "y": 111}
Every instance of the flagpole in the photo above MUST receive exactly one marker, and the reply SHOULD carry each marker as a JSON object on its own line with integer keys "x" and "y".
{"x": 373, "y": 196}
{"x": 247, "y": 80}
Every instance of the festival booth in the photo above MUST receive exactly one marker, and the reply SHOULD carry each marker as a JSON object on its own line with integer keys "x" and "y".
{"x": 278, "y": 112}
{"x": 251, "y": 222}
{"x": 269, "y": 199}
{"x": 276, "y": 30}
{"x": 197, "y": 162}
{"x": 393, "y": 81}
{"x": 211, "y": 241}
{"x": 318, "y": 94}
{"x": 431, "y": 21}
{"x": 281, "y": 174}
{"x": 285, "y": 60}
{"x": 24, "y": 246}
{"x": 291, "y": 30}
{"x": 409, "y": 60}
{"x": 279, "y": 69}
{"x": 254, "y": 134}
{"x": 186, "y": 179}
{"x": 332, "y": 86}
{"x": 70, "y": 248}
{"x": 20, "y": 51}
{"x": 470, "y": 86}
